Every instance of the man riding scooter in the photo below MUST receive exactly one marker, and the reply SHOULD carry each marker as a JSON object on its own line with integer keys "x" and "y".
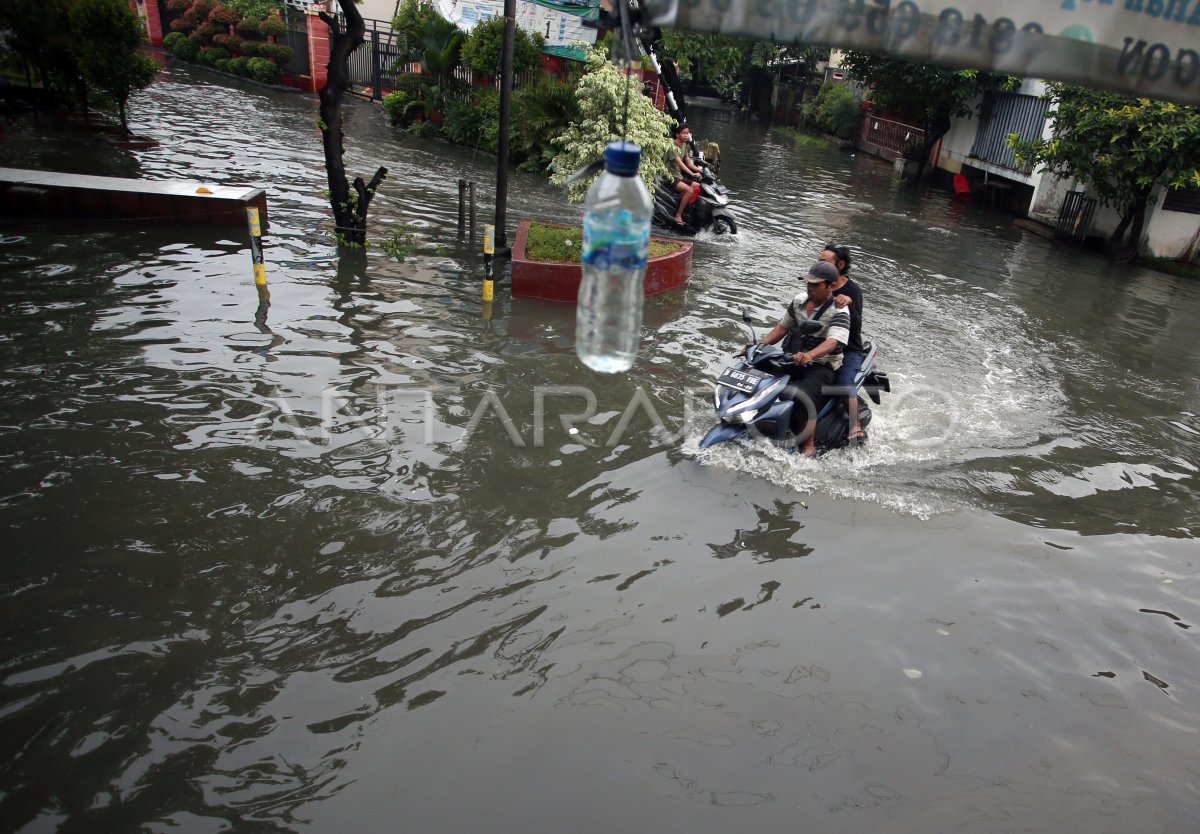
{"x": 818, "y": 356}
{"x": 685, "y": 174}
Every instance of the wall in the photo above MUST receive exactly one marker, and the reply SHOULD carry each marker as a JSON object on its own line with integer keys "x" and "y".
{"x": 1169, "y": 233}
{"x": 957, "y": 144}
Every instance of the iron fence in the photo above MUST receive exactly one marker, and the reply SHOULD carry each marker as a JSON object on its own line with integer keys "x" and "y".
{"x": 1075, "y": 216}
{"x": 296, "y": 38}
{"x": 890, "y": 135}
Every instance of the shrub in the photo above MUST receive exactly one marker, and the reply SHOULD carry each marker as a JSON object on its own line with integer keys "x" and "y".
{"x": 202, "y": 8}
{"x": 482, "y": 50}
{"x": 207, "y": 30}
{"x": 257, "y": 9}
{"x": 170, "y": 40}
{"x": 263, "y": 70}
{"x": 179, "y": 6}
{"x": 274, "y": 26}
{"x": 834, "y": 110}
{"x": 252, "y": 49}
{"x": 396, "y": 106}
{"x": 231, "y": 42}
{"x": 277, "y": 52}
{"x": 465, "y": 122}
{"x": 225, "y": 65}
{"x": 182, "y": 25}
{"x": 542, "y": 111}
{"x": 250, "y": 28}
{"x": 223, "y": 16}
{"x": 213, "y": 54}
{"x": 240, "y": 66}
{"x": 186, "y": 49}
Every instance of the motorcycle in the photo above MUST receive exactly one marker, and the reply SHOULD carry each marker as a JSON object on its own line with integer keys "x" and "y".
{"x": 710, "y": 211}
{"x": 748, "y": 397}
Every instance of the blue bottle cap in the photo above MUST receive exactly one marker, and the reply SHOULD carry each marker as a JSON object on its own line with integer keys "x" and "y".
{"x": 622, "y": 158}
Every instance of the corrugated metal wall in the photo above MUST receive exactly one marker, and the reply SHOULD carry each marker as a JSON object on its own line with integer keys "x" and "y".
{"x": 1011, "y": 113}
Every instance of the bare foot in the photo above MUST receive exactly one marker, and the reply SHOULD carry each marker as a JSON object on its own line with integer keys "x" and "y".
{"x": 809, "y": 452}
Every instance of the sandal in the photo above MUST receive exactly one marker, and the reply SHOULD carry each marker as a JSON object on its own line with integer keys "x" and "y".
{"x": 856, "y": 438}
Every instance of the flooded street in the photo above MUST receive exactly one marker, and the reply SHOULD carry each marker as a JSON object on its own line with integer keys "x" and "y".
{"x": 296, "y": 574}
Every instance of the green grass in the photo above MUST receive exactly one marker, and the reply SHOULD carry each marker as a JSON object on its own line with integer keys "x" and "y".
{"x": 558, "y": 244}
{"x": 1171, "y": 267}
{"x": 802, "y": 139}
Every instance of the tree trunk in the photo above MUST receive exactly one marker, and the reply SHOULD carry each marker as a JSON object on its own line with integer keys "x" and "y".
{"x": 349, "y": 207}
{"x": 1134, "y": 220}
{"x": 1119, "y": 232}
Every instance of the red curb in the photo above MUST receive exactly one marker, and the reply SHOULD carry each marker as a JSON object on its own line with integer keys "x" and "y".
{"x": 560, "y": 282}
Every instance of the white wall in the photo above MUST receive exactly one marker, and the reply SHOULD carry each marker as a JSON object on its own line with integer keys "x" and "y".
{"x": 1168, "y": 233}
{"x": 957, "y": 144}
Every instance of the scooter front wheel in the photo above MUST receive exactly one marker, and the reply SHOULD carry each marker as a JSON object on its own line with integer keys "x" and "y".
{"x": 724, "y": 226}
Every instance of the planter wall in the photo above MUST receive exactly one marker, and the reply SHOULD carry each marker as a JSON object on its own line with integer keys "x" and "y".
{"x": 560, "y": 282}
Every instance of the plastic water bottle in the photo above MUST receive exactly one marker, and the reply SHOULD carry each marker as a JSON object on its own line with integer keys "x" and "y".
{"x": 616, "y": 243}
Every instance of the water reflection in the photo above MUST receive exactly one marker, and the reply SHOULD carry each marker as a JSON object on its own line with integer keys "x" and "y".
{"x": 261, "y": 577}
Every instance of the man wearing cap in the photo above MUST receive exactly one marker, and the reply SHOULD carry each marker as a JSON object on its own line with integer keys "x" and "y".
{"x": 816, "y": 357}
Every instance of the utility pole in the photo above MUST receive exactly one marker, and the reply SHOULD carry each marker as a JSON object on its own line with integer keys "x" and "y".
{"x": 506, "y": 85}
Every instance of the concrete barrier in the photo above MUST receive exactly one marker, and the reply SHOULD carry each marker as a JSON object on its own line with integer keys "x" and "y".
{"x": 50, "y": 195}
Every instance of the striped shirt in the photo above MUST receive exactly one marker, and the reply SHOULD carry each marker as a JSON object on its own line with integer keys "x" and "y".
{"x": 836, "y": 325}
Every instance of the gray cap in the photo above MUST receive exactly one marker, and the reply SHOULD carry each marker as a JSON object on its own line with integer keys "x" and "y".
{"x": 822, "y": 273}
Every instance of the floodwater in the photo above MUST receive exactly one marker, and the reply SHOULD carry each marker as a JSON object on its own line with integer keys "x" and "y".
{"x": 287, "y": 568}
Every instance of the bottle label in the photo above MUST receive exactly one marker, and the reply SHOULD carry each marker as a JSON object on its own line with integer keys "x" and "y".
{"x": 615, "y": 239}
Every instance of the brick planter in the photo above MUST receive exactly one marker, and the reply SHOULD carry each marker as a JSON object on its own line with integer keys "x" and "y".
{"x": 560, "y": 282}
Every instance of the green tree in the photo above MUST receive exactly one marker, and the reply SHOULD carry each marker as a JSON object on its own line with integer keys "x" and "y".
{"x": 726, "y": 62}
{"x": 410, "y": 21}
{"x": 928, "y": 96}
{"x": 601, "y": 94}
{"x": 1122, "y": 147}
{"x": 483, "y": 48}
{"x": 109, "y": 38}
{"x": 38, "y": 34}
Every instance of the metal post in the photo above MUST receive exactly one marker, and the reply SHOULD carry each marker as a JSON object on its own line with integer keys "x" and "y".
{"x": 376, "y": 69}
{"x": 256, "y": 250}
{"x": 506, "y": 84}
{"x": 489, "y": 251}
{"x": 462, "y": 207}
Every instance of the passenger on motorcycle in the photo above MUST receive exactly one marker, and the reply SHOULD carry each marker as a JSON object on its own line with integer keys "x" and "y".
{"x": 682, "y": 171}
{"x": 816, "y": 357}
{"x": 848, "y": 294}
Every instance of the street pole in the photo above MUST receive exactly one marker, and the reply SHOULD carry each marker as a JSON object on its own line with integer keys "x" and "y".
{"x": 506, "y": 85}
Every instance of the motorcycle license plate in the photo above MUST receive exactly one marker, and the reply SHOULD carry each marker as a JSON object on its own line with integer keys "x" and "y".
{"x": 744, "y": 381}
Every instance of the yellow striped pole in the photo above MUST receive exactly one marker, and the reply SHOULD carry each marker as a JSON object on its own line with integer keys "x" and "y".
{"x": 489, "y": 249}
{"x": 256, "y": 250}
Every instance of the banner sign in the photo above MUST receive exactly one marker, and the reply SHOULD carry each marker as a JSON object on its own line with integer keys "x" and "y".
{"x": 1147, "y": 48}
{"x": 559, "y": 23}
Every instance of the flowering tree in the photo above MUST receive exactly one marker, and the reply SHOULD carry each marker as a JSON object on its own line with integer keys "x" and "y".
{"x": 601, "y": 96}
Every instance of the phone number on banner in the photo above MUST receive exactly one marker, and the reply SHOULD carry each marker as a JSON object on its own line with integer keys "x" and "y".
{"x": 880, "y": 18}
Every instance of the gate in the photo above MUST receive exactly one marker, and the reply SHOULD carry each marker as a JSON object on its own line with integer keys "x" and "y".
{"x": 371, "y": 68}
{"x": 1075, "y": 216}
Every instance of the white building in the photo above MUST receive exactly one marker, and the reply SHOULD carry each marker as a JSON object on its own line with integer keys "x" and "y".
{"x": 978, "y": 148}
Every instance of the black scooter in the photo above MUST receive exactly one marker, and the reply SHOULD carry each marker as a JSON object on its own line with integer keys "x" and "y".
{"x": 710, "y": 211}
{"x": 747, "y": 398}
